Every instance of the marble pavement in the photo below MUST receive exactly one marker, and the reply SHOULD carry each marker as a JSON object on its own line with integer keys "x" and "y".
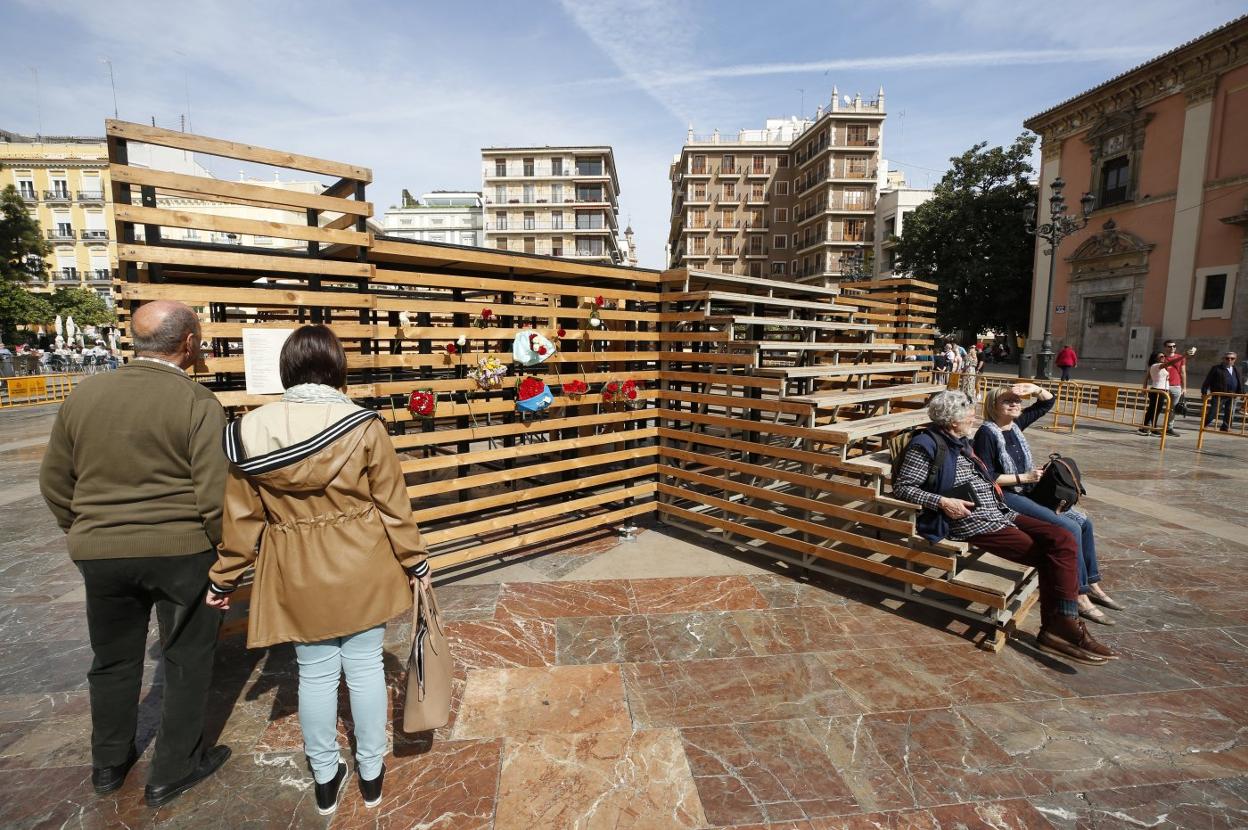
{"x": 663, "y": 684}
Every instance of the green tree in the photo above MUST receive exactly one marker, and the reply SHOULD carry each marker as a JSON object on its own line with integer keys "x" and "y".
{"x": 23, "y": 256}
{"x": 971, "y": 240}
{"x": 21, "y": 240}
{"x": 86, "y": 307}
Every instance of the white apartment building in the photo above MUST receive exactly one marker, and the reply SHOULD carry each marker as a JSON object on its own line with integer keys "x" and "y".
{"x": 556, "y": 201}
{"x": 891, "y": 210}
{"x": 452, "y": 217}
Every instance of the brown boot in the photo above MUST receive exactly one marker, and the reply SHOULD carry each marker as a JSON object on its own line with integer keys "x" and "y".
{"x": 1067, "y": 637}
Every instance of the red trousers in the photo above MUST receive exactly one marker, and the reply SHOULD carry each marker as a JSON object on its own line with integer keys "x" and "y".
{"x": 1049, "y": 549}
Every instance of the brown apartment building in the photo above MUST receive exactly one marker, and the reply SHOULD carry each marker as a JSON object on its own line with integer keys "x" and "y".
{"x": 793, "y": 200}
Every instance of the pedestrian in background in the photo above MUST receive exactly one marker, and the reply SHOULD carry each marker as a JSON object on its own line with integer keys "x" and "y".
{"x": 135, "y": 476}
{"x": 1066, "y": 360}
{"x": 316, "y": 500}
{"x": 1176, "y": 368}
{"x": 1222, "y": 378}
{"x": 1157, "y": 382}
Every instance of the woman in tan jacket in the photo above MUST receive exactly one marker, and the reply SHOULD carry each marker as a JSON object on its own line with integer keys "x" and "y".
{"x": 316, "y": 501}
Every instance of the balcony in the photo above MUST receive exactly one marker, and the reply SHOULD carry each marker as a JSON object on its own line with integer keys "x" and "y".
{"x": 65, "y": 276}
{"x": 95, "y": 236}
{"x": 755, "y": 252}
{"x": 547, "y": 172}
{"x": 56, "y": 195}
{"x": 91, "y": 196}
{"x": 28, "y": 196}
{"x": 755, "y": 227}
{"x": 66, "y": 235}
{"x": 765, "y": 170}
{"x": 100, "y": 276}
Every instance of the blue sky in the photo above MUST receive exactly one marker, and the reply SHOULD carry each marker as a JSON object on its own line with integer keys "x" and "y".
{"x": 415, "y": 89}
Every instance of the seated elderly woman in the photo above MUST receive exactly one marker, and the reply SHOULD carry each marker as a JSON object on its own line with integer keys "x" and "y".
{"x": 1001, "y": 445}
{"x": 940, "y": 472}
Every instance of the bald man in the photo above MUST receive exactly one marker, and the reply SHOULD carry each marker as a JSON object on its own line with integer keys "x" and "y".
{"x": 135, "y": 475}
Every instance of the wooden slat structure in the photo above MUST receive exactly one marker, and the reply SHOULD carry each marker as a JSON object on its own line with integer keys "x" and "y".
{"x": 760, "y": 404}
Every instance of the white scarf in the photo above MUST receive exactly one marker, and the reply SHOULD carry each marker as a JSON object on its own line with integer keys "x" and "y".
{"x": 314, "y": 393}
{"x": 1007, "y": 461}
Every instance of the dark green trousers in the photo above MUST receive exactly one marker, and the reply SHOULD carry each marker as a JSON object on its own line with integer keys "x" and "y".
{"x": 120, "y": 596}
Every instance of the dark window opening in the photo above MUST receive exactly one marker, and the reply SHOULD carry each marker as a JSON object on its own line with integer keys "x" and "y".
{"x": 1107, "y": 312}
{"x": 1215, "y": 293}
{"x": 1115, "y": 181}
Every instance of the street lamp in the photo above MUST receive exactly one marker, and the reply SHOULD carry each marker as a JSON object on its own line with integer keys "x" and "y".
{"x": 1054, "y": 231}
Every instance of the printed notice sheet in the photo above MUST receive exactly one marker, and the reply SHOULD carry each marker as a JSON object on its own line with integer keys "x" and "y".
{"x": 261, "y": 348}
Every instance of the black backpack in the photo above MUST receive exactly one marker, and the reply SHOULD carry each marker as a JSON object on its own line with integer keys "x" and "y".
{"x": 1060, "y": 486}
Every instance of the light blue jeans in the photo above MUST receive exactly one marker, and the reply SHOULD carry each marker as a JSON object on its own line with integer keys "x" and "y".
{"x": 320, "y": 666}
{"x": 1077, "y": 524}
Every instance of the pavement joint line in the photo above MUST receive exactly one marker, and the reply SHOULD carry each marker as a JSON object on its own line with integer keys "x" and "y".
{"x": 18, "y": 493}
{"x": 1226, "y": 531}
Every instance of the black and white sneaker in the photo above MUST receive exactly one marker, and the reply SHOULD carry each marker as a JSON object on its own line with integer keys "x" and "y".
{"x": 328, "y": 794}
{"x": 371, "y": 790}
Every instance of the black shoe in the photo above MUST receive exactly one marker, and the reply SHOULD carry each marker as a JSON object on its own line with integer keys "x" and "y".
{"x": 107, "y": 779}
{"x": 327, "y": 794}
{"x": 371, "y": 790}
{"x": 1173, "y": 432}
{"x": 1144, "y": 431}
{"x": 156, "y": 795}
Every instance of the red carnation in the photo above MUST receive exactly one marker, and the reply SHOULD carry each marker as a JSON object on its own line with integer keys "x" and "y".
{"x": 561, "y": 331}
{"x": 451, "y": 348}
{"x": 631, "y": 394}
{"x": 486, "y": 313}
{"x": 598, "y": 301}
{"x": 541, "y": 350}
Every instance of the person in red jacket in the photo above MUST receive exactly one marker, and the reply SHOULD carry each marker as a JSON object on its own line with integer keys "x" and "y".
{"x": 1066, "y": 360}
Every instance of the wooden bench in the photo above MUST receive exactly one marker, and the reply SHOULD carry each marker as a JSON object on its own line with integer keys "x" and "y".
{"x": 846, "y": 432}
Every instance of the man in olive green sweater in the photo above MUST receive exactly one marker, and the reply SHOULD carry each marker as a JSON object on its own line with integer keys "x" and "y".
{"x": 135, "y": 475}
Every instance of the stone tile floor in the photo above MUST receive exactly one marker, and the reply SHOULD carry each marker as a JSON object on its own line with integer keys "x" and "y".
{"x": 659, "y": 684}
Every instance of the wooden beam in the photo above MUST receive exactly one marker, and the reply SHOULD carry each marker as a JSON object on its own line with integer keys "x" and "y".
{"x": 249, "y": 194}
{"x": 233, "y": 150}
{"x": 227, "y": 224}
{"x": 246, "y": 262}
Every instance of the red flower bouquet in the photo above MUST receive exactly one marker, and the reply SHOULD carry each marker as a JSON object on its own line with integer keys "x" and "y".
{"x": 529, "y": 387}
{"x": 575, "y": 388}
{"x": 621, "y": 392}
{"x": 422, "y": 403}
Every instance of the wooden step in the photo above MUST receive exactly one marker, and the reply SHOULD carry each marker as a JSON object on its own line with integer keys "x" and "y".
{"x": 833, "y": 399}
{"x": 841, "y": 370}
{"x": 987, "y": 572}
{"x": 879, "y": 464}
{"x": 751, "y": 299}
{"x": 843, "y": 432}
{"x": 825, "y": 325}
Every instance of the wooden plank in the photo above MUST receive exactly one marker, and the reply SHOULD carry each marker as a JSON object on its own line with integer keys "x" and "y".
{"x": 534, "y": 514}
{"x": 717, "y": 358}
{"x": 174, "y": 218}
{"x": 832, "y": 370}
{"x": 945, "y": 563}
{"x": 842, "y": 432}
{"x": 233, "y": 150}
{"x": 848, "y": 560}
{"x": 480, "y": 433}
{"x": 758, "y": 299}
{"x": 744, "y": 425}
{"x": 838, "y": 511}
{"x": 818, "y": 459}
{"x": 829, "y": 400}
{"x": 735, "y": 402}
{"x": 495, "y": 477}
{"x": 529, "y": 286}
{"x": 714, "y": 379}
{"x": 827, "y": 346}
{"x": 486, "y": 550}
{"x": 751, "y": 283}
{"x": 789, "y": 323}
{"x": 160, "y": 255}
{"x": 277, "y": 295}
{"x": 250, "y": 194}
{"x": 519, "y": 263}
{"x": 583, "y": 442}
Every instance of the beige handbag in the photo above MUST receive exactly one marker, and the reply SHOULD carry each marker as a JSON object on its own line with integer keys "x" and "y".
{"x": 428, "y": 704}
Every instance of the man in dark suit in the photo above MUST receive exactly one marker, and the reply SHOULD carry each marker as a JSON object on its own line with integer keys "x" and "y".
{"x": 1222, "y": 378}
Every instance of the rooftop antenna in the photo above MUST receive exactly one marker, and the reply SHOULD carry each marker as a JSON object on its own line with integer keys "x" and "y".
{"x": 113, "y": 83}
{"x": 38, "y": 103}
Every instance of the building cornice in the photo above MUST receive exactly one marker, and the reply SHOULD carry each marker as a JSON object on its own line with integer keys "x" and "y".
{"x": 1192, "y": 69}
